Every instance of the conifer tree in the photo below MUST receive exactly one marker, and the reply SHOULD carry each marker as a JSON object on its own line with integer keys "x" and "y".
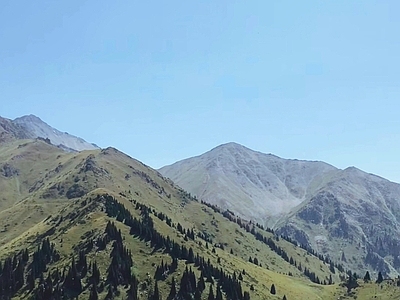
{"x": 132, "y": 292}
{"x": 110, "y": 293}
{"x": 211, "y": 294}
{"x": 351, "y": 281}
{"x": 197, "y": 295}
{"x": 246, "y": 295}
{"x": 172, "y": 292}
{"x": 367, "y": 277}
{"x": 156, "y": 293}
{"x": 201, "y": 285}
{"x": 93, "y": 293}
{"x": 380, "y": 278}
{"x": 218, "y": 295}
{"x": 273, "y": 290}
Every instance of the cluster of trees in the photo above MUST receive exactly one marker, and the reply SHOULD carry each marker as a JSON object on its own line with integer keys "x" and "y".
{"x": 80, "y": 275}
{"x": 12, "y": 272}
{"x": 16, "y": 271}
{"x": 144, "y": 229}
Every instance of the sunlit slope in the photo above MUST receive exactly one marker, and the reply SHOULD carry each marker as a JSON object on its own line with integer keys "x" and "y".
{"x": 86, "y": 219}
{"x": 62, "y": 196}
{"x": 255, "y": 185}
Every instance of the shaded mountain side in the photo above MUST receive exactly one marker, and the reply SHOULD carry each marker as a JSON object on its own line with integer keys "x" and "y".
{"x": 10, "y": 131}
{"x": 354, "y": 217}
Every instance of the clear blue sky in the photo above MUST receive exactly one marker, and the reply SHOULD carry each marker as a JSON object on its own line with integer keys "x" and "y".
{"x": 166, "y": 80}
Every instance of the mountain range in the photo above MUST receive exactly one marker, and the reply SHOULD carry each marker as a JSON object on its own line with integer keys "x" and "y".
{"x": 341, "y": 213}
{"x": 247, "y": 224}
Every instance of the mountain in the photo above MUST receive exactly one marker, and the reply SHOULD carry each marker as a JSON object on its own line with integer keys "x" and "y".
{"x": 352, "y": 215}
{"x": 10, "y": 130}
{"x": 100, "y": 224}
{"x": 35, "y": 127}
{"x": 349, "y": 215}
{"x": 255, "y": 185}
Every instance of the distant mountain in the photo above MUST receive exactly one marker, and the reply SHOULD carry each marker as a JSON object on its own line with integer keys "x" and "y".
{"x": 253, "y": 184}
{"x": 348, "y": 214}
{"x": 33, "y": 127}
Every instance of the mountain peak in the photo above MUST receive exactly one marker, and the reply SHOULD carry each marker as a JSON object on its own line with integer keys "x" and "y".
{"x": 229, "y": 146}
{"x": 29, "y": 117}
{"x": 257, "y": 185}
{"x": 35, "y": 127}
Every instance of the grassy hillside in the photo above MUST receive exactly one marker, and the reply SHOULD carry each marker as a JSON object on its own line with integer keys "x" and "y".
{"x": 63, "y": 209}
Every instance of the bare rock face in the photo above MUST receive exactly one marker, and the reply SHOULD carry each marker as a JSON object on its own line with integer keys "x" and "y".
{"x": 9, "y": 170}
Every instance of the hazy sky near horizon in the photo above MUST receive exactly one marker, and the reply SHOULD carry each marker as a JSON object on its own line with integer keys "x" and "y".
{"x": 166, "y": 80}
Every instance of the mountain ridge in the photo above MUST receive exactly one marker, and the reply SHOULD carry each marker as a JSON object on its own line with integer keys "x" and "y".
{"x": 31, "y": 126}
{"x": 259, "y": 172}
{"x": 317, "y": 204}
{"x": 73, "y": 202}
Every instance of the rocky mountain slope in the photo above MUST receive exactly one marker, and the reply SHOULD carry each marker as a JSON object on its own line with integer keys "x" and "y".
{"x": 10, "y": 130}
{"x": 347, "y": 214}
{"x": 34, "y": 127}
{"x": 63, "y": 215}
{"x": 353, "y": 216}
{"x": 255, "y": 185}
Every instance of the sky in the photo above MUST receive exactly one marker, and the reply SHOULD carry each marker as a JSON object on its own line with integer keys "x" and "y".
{"x": 166, "y": 80}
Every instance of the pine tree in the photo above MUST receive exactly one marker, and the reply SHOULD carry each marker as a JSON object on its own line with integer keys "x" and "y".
{"x": 73, "y": 280}
{"x": 246, "y": 295}
{"x": 343, "y": 258}
{"x": 332, "y": 267}
{"x": 218, "y": 295}
{"x": 211, "y": 294}
{"x": 255, "y": 261}
{"x": 172, "y": 292}
{"x": 284, "y": 297}
{"x": 95, "y": 276}
{"x": 93, "y": 293}
{"x": 351, "y": 281}
{"x": 110, "y": 294}
{"x": 201, "y": 285}
{"x": 367, "y": 277}
{"x": 380, "y": 278}
{"x": 273, "y": 290}
{"x": 156, "y": 293}
{"x": 197, "y": 295}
